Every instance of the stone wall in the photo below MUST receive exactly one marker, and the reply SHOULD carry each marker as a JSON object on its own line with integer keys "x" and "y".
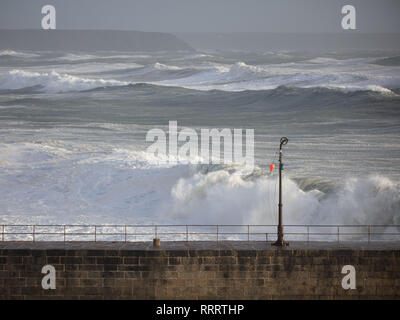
{"x": 220, "y": 272}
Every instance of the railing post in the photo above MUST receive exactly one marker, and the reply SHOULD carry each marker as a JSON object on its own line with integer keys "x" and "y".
{"x": 217, "y": 233}
{"x": 369, "y": 234}
{"x": 33, "y": 233}
{"x": 64, "y": 233}
{"x": 125, "y": 232}
{"x": 308, "y": 233}
{"x": 248, "y": 233}
{"x": 2, "y": 234}
{"x": 266, "y": 236}
{"x": 338, "y": 234}
{"x": 155, "y": 232}
{"x": 95, "y": 233}
{"x": 187, "y": 234}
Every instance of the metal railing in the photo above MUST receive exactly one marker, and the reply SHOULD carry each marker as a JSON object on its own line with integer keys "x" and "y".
{"x": 130, "y": 233}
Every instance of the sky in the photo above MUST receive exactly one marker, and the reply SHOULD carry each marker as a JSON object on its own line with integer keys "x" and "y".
{"x": 373, "y": 16}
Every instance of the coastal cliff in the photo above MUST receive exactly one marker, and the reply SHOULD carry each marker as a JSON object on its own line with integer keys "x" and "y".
{"x": 90, "y": 40}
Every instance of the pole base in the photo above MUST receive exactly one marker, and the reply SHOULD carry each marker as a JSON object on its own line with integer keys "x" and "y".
{"x": 156, "y": 243}
{"x": 280, "y": 243}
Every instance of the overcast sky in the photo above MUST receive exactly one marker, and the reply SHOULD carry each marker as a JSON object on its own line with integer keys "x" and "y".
{"x": 204, "y": 15}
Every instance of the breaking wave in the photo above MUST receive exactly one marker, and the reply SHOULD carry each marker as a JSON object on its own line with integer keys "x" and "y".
{"x": 12, "y": 53}
{"x": 241, "y": 76}
{"x": 347, "y": 75}
{"x": 52, "y": 82}
{"x": 55, "y": 82}
{"x": 125, "y": 185}
{"x": 219, "y": 196}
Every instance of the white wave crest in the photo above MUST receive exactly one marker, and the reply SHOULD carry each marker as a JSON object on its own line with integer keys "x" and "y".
{"x": 52, "y": 81}
{"x": 160, "y": 66}
{"x": 343, "y": 75}
{"x": 17, "y": 54}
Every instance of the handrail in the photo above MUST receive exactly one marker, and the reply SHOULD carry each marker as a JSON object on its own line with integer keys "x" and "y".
{"x": 96, "y": 232}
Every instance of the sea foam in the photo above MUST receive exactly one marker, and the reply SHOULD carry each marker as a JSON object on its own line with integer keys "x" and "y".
{"x": 52, "y": 81}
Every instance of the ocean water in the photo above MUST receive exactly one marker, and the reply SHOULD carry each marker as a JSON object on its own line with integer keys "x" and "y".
{"x": 73, "y": 127}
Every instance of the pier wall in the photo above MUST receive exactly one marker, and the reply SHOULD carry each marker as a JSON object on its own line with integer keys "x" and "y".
{"x": 257, "y": 271}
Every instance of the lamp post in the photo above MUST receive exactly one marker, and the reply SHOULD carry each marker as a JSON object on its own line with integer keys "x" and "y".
{"x": 280, "y": 242}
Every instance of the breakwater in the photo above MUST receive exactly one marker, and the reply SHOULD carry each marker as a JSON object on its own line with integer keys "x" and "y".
{"x": 198, "y": 270}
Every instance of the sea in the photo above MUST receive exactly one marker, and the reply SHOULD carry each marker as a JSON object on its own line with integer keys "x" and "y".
{"x": 73, "y": 128}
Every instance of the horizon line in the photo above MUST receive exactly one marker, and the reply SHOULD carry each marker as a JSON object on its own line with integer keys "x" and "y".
{"x": 215, "y": 32}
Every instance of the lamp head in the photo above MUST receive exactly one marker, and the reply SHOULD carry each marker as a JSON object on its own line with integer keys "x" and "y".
{"x": 284, "y": 141}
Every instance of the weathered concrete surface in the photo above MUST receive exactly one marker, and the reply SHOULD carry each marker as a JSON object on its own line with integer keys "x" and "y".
{"x": 199, "y": 270}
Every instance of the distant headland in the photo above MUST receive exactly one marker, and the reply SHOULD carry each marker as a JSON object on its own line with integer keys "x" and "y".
{"x": 90, "y": 40}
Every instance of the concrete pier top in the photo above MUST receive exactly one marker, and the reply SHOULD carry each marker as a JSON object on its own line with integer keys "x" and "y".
{"x": 199, "y": 245}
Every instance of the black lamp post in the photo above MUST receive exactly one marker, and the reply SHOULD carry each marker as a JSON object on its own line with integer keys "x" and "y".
{"x": 280, "y": 242}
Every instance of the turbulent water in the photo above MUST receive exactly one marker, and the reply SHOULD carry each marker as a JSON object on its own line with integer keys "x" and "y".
{"x": 73, "y": 127}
